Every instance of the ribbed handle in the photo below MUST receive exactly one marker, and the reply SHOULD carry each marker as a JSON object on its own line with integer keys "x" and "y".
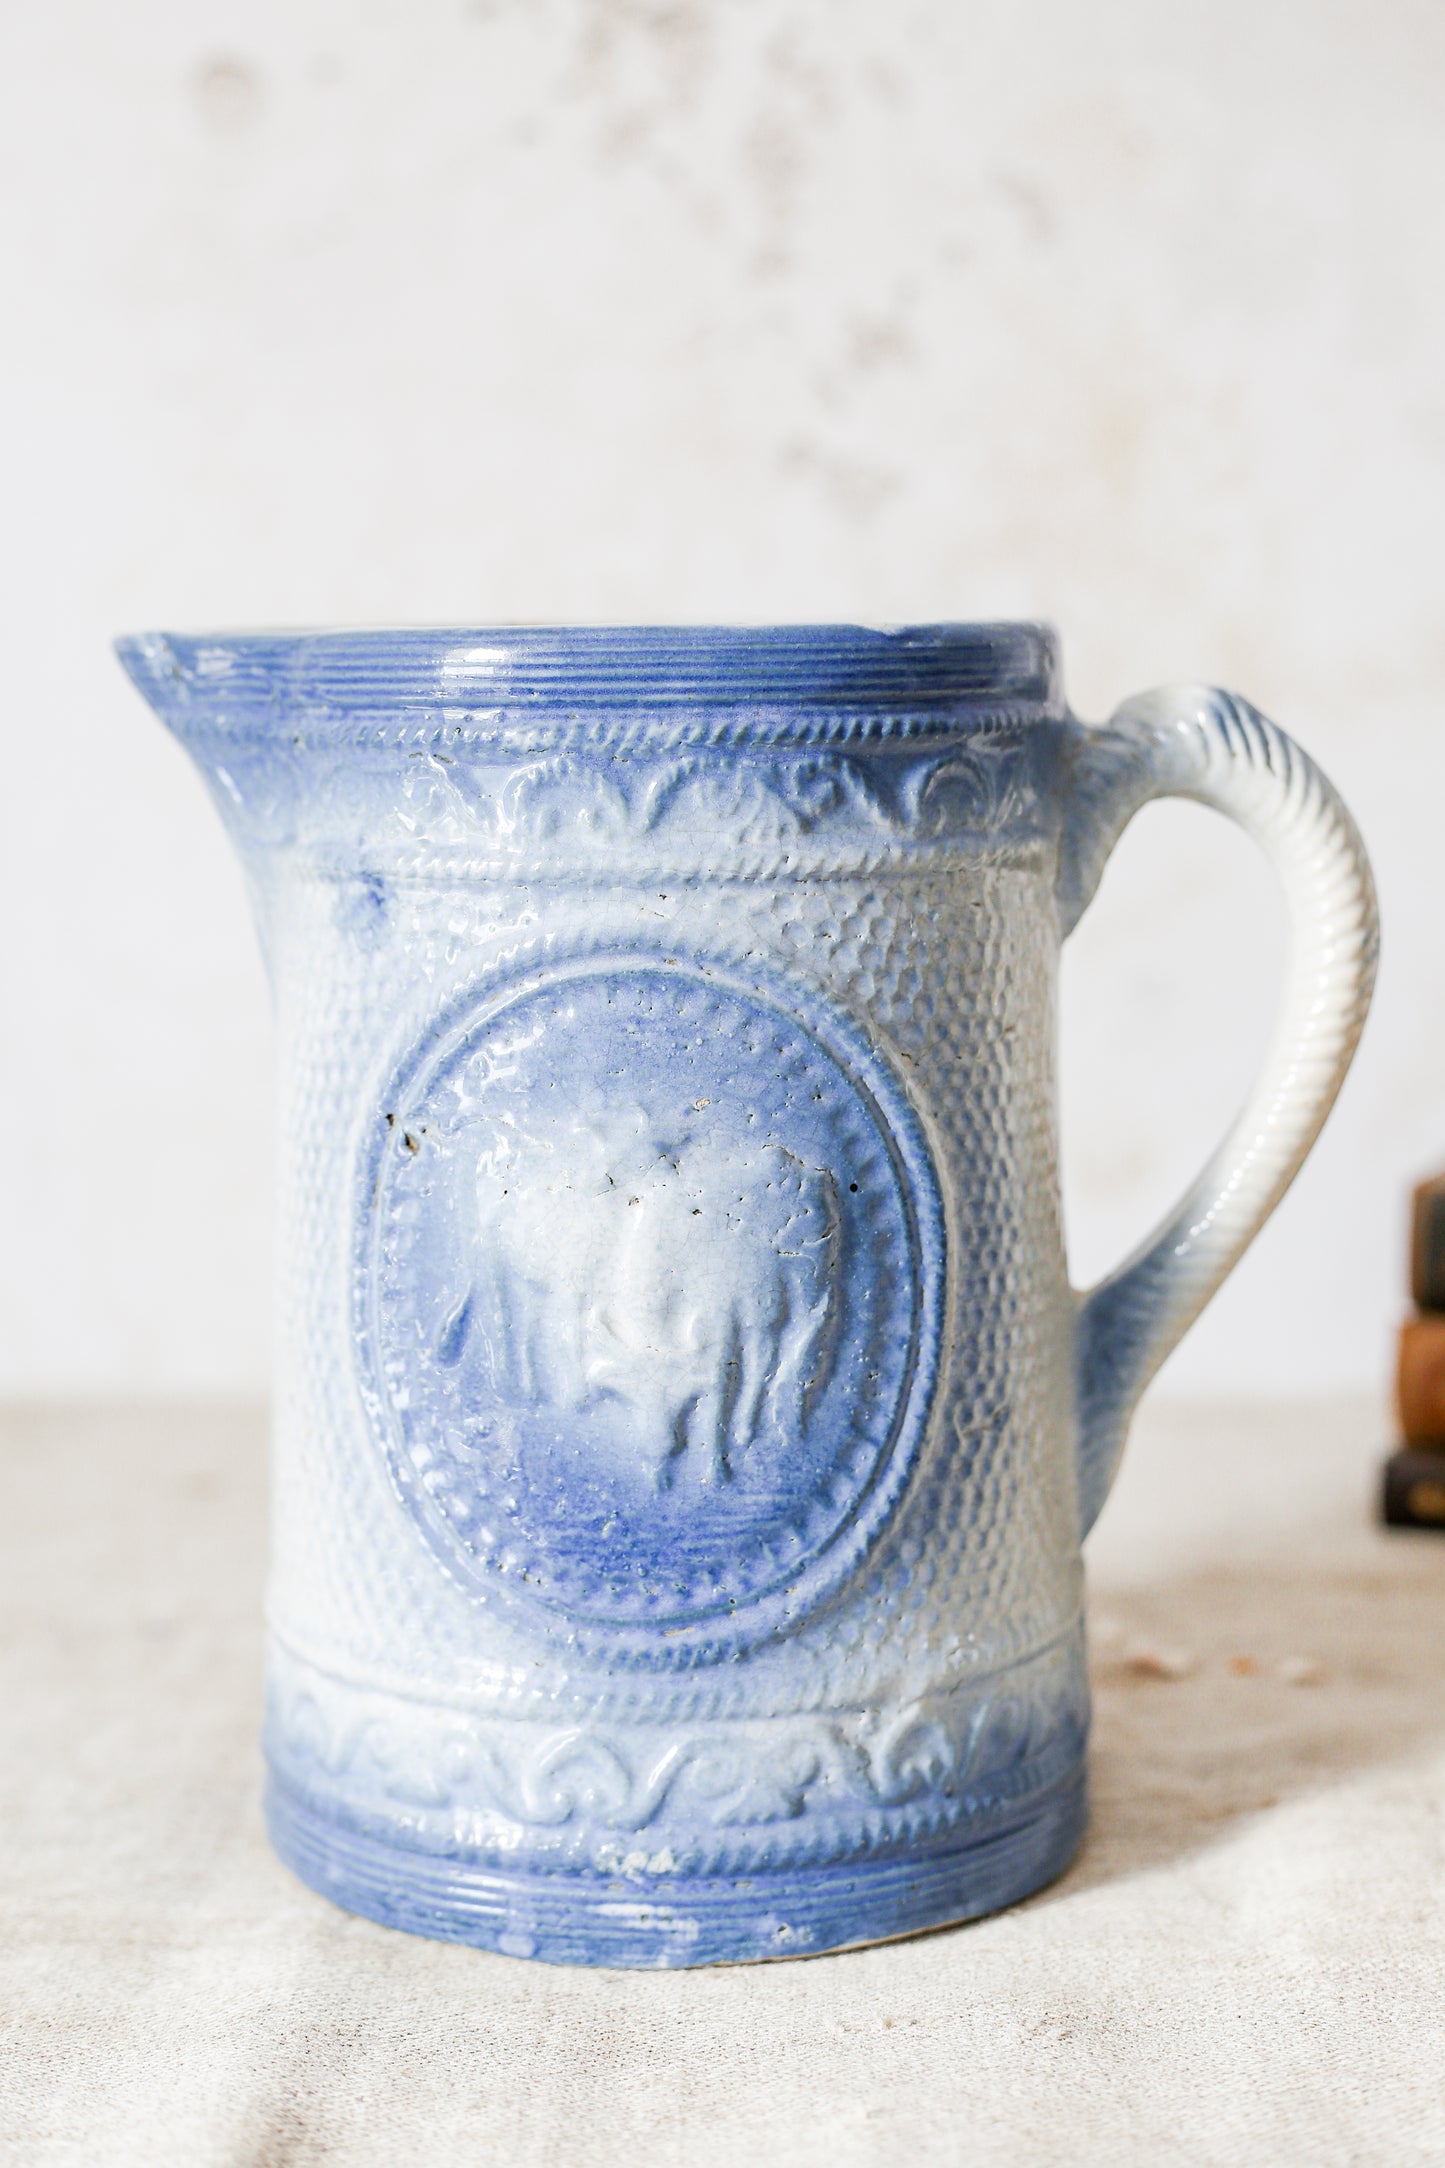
{"x": 1194, "y": 742}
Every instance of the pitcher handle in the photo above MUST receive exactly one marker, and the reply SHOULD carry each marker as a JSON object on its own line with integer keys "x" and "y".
{"x": 1193, "y": 741}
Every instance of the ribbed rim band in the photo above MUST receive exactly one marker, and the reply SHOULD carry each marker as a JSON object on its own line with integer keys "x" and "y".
{"x": 872, "y": 680}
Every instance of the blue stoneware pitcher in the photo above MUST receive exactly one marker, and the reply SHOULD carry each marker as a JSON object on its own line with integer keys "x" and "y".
{"x": 685, "y": 1427}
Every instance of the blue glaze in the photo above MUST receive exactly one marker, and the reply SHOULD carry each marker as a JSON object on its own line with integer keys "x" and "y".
{"x": 789, "y": 683}
{"x": 657, "y": 1522}
{"x": 588, "y": 1920}
{"x": 685, "y": 1427}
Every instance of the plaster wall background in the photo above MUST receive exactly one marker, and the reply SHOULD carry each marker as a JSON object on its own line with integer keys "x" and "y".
{"x": 1130, "y": 315}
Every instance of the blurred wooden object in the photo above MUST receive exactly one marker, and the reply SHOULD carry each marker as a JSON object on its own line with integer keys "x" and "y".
{"x": 1427, "y": 1244}
{"x": 1415, "y": 1489}
{"x": 1420, "y": 1381}
{"x": 1413, "y": 1492}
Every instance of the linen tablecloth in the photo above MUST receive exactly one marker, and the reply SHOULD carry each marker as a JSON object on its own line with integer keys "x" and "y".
{"x": 1247, "y": 1964}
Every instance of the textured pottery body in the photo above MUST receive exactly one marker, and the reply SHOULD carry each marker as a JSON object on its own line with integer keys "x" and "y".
{"x": 685, "y": 1426}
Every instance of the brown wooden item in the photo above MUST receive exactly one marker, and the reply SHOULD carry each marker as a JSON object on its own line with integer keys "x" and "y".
{"x": 1414, "y": 1493}
{"x": 1427, "y": 1244}
{"x": 1420, "y": 1381}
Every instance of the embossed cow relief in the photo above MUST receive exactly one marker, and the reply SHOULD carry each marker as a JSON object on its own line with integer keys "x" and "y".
{"x": 688, "y": 1278}
{"x": 648, "y": 1288}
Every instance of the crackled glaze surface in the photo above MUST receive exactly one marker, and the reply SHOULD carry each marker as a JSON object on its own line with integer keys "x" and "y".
{"x": 685, "y": 1426}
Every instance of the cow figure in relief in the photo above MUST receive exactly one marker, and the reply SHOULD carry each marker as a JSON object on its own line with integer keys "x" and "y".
{"x": 691, "y": 1281}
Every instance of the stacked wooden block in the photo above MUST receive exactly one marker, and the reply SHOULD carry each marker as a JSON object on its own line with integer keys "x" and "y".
{"x": 1415, "y": 1475}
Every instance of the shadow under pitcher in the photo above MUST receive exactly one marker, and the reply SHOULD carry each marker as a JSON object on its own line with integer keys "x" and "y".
{"x": 685, "y": 1428}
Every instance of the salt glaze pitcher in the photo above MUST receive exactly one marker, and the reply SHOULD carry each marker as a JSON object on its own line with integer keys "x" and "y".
{"x": 685, "y": 1426}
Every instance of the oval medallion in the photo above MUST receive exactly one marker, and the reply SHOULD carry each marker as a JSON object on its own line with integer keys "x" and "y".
{"x": 651, "y": 1274}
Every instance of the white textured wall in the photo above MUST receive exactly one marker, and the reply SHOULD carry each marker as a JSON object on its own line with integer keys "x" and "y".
{"x": 1129, "y": 314}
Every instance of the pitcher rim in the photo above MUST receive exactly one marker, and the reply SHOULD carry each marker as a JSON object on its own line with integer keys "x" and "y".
{"x": 720, "y": 682}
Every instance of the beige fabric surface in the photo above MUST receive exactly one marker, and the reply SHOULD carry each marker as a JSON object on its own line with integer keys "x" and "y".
{"x": 1246, "y": 1965}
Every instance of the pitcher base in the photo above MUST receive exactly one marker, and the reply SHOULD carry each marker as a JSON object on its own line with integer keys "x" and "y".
{"x": 575, "y": 1919}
